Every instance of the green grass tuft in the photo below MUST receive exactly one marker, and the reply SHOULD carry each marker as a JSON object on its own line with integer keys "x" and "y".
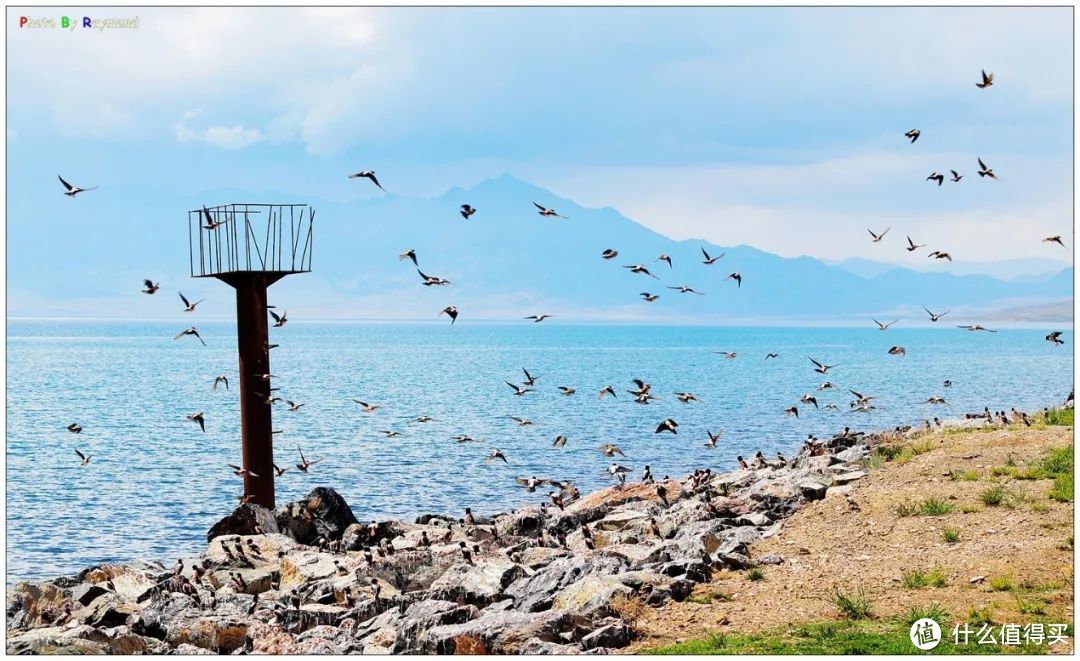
{"x": 1001, "y": 584}
{"x": 917, "y": 578}
{"x": 935, "y": 507}
{"x": 934, "y": 611}
{"x": 854, "y": 606}
{"x": 755, "y": 574}
{"x": 1059, "y": 417}
{"x": 994, "y": 496}
{"x": 950, "y": 535}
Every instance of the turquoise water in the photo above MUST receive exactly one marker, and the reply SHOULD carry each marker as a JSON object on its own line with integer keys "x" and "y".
{"x": 156, "y": 483}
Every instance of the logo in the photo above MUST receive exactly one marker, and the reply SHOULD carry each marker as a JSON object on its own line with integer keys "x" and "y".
{"x": 925, "y": 634}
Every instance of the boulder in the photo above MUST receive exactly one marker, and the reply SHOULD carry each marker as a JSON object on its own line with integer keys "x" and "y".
{"x": 614, "y": 634}
{"x": 85, "y": 593}
{"x": 622, "y": 519}
{"x": 56, "y": 640}
{"x": 537, "y": 592}
{"x": 35, "y": 604}
{"x": 248, "y": 519}
{"x": 503, "y": 632}
{"x": 591, "y": 596}
{"x": 812, "y": 489}
{"x": 323, "y": 513}
{"x": 424, "y": 615}
{"x": 478, "y": 584}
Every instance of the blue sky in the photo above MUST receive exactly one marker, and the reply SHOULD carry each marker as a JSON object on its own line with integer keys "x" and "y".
{"x": 777, "y": 127}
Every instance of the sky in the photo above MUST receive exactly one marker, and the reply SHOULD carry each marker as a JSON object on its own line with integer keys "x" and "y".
{"x": 781, "y": 128}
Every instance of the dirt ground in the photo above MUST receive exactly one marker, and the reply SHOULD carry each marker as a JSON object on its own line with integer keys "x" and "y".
{"x": 831, "y": 544}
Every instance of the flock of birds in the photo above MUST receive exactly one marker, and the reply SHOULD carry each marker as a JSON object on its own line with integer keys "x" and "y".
{"x": 642, "y": 392}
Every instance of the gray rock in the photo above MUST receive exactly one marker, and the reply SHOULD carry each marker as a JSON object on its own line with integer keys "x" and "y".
{"x": 812, "y": 489}
{"x": 86, "y": 593}
{"x": 424, "y": 615}
{"x": 478, "y": 584}
{"x": 537, "y": 592}
{"x": 504, "y": 632}
{"x": 247, "y": 519}
{"x": 591, "y": 596}
{"x": 614, "y": 635}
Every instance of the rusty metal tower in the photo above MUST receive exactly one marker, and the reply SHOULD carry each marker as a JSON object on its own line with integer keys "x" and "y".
{"x": 250, "y": 247}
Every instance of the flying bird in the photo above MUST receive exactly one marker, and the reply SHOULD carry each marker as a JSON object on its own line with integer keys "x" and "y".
{"x": 737, "y": 277}
{"x": 279, "y": 471}
{"x": 198, "y": 417}
{"x": 451, "y": 312}
{"x": 649, "y": 298}
{"x": 935, "y": 317}
{"x": 293, "y": 406}
{"x": 279, "y": 321}
{"x": 212, "y": 224}
{"x": 936, "y": 176}
{"x": 987, "y": 80}
{"x": 190, "y": 331}
{"x": 792, "y": 410}
{"x": 430, "y": 281}
{"x": 221, "y": 379}
{"x": 566, "y": 390}
{"x": 367, "y": 174}
{"x": 544, "y": 211}
{"x": 638, "y": 268}
{"x": 1055, "y": 338}
{"x": 879, "y": 237}
{"x": 913, "y": 135}
{"x": 667, "y": 425}
{"x": 897, "y": 351}
{"x": 411, "y": 254}
{"x": 537, "y": 318}
{"x": 75, "y": 428}
{"x": 956, "y": 176}
{"x": 713, "y": 438}
{"x": 85, "y": 458}
{"x": 189, "y": 306}
{"x": 708, "y": 261}
{"x": 665, "y": 258}
{"x": 1054, "y": 239}
{"x": 304, "y": 464}
{"x": 821, "y": 369}
{"x": 609, "y": 254}
{"x": 730, "y": 355}
{"x": 936, "y": 400}
{"x": 882, "y": 326}
{"x": 368, "y": 408}
{"x": 530, "y": 380}
{"x": 912, "y": 246}
{"x": 560, "y": 441}
{"x": 495, "y": 456}
{"x": 466, "y": 211}
{"x": 240, "y": 472}
{"x": 610, "y": 450}
{"x": 518, "y": 390}
{"x": 771, "y": 355}
{"x": 150, "y": 287}
{"x": 686, "y": 397}
{"x": 937, "y": 254}
{"x": 606, "y": 391}
{"x": 72, "y": 191}
{"x": 809, "y": 399}
{"x": 984, "y": 171}
{"x": 522, "y": 422}
{"x": 683, "y": 289}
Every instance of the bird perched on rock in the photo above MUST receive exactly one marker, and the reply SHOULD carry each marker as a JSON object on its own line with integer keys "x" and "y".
{"x": 661, "y": 493}
{"x": 618, "y": 472}
{"x": 742, "y": 463}
{"x": 646, "y": 475}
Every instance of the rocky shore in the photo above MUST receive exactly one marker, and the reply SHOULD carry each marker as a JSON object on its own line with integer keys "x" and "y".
{"x": 310, "y": 579}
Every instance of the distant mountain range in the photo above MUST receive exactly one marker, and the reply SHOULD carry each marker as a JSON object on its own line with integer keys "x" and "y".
{"x": 506, "y": 261}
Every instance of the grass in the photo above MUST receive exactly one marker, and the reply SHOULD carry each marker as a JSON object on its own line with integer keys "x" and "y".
{"x": 1062, "y": 491}
{"x": 995, "y": 497}
{"x": 964, "y": 476}
{"x": 928, "y": 507}
{"x": 950, "y": 535}
{"x": 917, "y": 578}
{"x": 854, "y": 606}
{"x": 968, "y": 509}
{"x": 980, "y": 616}
{"x": 1031, "y": 606}
{"x": 1001, "y": 584}
{"x": 1059, "y": 417}
{"x": 709, "y": 598}
{"x": 879, "y": 637}
{"x": 934, "y": 611}
{"x": 755, "y": 574}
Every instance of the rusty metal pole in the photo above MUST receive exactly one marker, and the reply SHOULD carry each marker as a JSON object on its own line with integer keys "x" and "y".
{"x": 253, "y": 339}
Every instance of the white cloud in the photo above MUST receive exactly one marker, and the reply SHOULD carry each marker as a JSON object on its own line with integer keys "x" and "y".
{"x": 223, "y": 137}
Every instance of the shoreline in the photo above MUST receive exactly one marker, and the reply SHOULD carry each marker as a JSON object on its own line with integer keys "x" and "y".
{"x": 536, "y": 579}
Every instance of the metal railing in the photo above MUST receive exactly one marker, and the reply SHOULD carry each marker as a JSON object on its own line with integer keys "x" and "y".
{"x": 250, "y": 237}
